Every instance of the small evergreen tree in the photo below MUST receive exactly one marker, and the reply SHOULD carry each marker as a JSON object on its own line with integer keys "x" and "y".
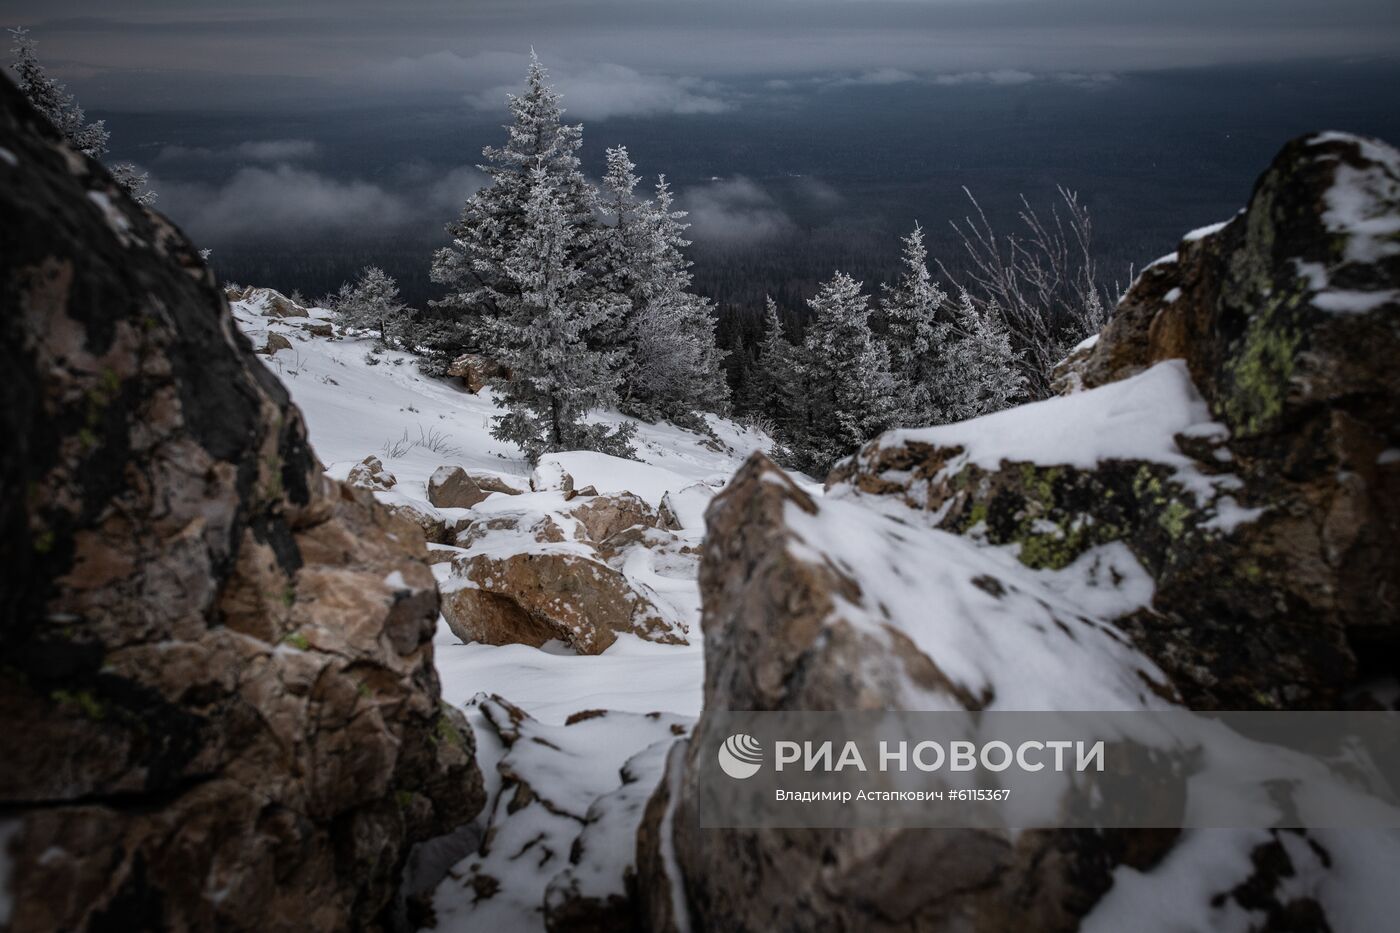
{"x": 851, "y": 392}
{"x": 539, "y": 145}
{"x": 915, "y": 335}
{"x": 63, "y": 110}
{"x": 996, "y": 371}
{"x": 775, "y": 381}
{"x": 541, "y": 332}
{"x": 372, "y": 303}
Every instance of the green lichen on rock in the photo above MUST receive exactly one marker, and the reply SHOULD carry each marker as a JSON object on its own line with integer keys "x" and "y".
{"x": 296, "y": 640}
{"x": 84, "y": 702}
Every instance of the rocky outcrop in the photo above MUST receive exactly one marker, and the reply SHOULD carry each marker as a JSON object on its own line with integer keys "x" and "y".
{"x": 1208, "y": 518}
{"x": 217, "y": 684}
{"x": 1271, "y": 523}
{"x": 476, "y": 371}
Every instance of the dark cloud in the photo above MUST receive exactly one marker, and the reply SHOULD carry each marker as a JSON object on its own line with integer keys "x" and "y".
{"x": 655, "y": 56}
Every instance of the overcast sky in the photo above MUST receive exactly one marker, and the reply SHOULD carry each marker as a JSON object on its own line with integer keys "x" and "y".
{"x": 647, "y": 56}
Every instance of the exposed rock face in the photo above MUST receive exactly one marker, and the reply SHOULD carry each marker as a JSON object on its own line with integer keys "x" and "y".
{"x": 1228, "y": 479}
{"x": 476, "y": 371}
{"x": 1272, "y": 588}
{"x": 217, "y": 683}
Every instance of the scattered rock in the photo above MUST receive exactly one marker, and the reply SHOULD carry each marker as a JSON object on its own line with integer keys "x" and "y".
{"x": 219, "y": 693}
{"x": 275, "y": 342}
{"x": 453, "y": 488}
{"x": 370, "y": 474}
{"x": 589, "y": 490}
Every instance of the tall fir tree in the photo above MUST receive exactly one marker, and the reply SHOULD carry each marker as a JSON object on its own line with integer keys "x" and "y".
{"x": 776, "y": 382}
{"x": 851, "y": 392}
{"x": 915, "y": 334}
{"x": 486, "y": 235}
{"x": 68, "y": 117}
{"x": 541, "y": 332}
{"x": 669, "y": 365}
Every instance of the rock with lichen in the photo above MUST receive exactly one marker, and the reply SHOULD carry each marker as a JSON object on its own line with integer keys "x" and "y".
{"x": 220, "y": 704}
{"x": 1268, "y": 505}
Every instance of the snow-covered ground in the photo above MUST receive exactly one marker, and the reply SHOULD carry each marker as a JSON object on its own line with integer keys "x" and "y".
{"x": 358, "y": 403}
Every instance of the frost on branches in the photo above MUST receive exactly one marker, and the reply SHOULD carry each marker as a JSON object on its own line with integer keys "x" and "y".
{"x": 584, "y": 295}
{"x": 67, "y": 116}
{"x": 372, "y": 303}
{"x": 540, "y": 330}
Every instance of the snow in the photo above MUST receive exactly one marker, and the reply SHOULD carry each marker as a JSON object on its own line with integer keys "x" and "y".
{"x": 1086, "y": 343}
{"x": 567, "y": 768}
{"x": 1133, "y": 419}
{"x": 1364, "y": 204}
{"x": 1353, "y": 302}
{"x": 1025, "y": 641}
{"x": 1200, "y": 233}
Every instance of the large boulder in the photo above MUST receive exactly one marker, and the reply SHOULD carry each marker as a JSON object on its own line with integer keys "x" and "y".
{"x": 826, "y": 605}
{"x": 1239, "y": 437}
{"x": 1208, "y": 518}
{"x": 220, "y": 704}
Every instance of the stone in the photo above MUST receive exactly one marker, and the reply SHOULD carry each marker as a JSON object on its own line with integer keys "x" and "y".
{"x": 550, "y": 595}
{"x": 476, "y": 371}
{"x": 275, "y": 342}
{"x": 370, "y": 474}
{"x": 218, "y": 665}
{"x": 490, "y": 482}
{"x": 604, "y": 516}
{"x": 453, "y": 488}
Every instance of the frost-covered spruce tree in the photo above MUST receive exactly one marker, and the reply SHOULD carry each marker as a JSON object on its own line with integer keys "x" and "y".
{"x": 916, "y": 335}
{"x": 776, "y": 382}
{"x": 997, "y": 372}
{"x": 851, "y": 393}
{"x": 669, "y": 363}
{"x": 486, "y": 235}
{"x": 372, "y": 303}
{"x": 63, "y": 110}
{"x": 541, "y": 332}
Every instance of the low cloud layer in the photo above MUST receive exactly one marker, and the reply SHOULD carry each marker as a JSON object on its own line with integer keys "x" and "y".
{"x": 280, "y": 202}
{"x": 261, "y": 150}
{"x": 734, "y": 211}
{"x": 592, "y": 90}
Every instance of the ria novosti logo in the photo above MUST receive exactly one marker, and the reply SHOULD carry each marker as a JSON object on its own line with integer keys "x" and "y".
{"x": 740, "y": 756}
